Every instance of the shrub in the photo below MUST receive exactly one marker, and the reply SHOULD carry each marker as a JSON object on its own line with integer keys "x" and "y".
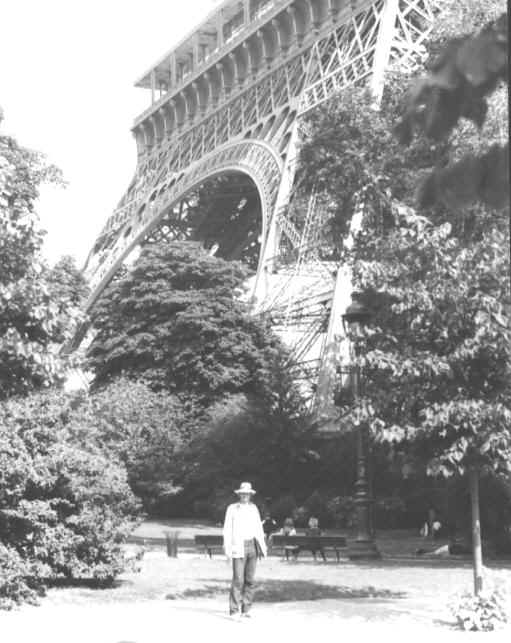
{"x": 144, "y": 429}
{"x": 389, "y": 512}
{"x": 282, "y": 508}
{"x": 65, "y": 507}
{"x": 19, "y": 580}
{"x": 482, "y": 613}
{"x": 215, "y": 506}
{"x": 342, "y": 510}
{"x": 317, "y": 504}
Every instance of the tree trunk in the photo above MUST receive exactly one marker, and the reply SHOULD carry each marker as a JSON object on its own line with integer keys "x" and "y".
{"x": 476, "y": 532}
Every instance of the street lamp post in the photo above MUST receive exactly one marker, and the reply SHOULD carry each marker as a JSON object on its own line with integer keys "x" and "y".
{"x": 364, "y": 546}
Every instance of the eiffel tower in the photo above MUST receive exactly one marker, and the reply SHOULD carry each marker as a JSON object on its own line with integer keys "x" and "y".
{"x": 223, "y": 128}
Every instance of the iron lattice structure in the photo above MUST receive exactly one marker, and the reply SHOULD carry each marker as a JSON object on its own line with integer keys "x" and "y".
{"x": 231, "y": 99}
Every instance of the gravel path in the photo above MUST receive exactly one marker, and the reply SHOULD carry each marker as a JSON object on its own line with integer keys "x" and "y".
{"x": 186, "y": 599}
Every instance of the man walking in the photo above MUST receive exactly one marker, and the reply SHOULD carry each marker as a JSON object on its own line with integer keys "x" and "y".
{"x": 243, "y": 542}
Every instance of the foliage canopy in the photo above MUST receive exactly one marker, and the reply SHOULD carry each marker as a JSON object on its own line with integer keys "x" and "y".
{"x": 174, "y": 319}
{"x": 437, "y": 353}
{"x": 35, "y": 317}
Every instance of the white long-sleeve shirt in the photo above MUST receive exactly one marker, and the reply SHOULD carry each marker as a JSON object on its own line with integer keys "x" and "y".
{"x": 242, "y": 522}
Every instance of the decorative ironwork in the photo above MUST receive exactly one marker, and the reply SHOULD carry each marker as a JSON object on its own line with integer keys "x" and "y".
{"x": 236, "y": 107}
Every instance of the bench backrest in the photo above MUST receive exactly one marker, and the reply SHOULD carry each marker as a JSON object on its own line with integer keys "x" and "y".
{"x": 302, "y": 540}
{"x": 209, "y": 540}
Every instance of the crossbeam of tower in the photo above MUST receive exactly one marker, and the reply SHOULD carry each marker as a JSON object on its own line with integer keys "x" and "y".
{"x": 228, "y": 101}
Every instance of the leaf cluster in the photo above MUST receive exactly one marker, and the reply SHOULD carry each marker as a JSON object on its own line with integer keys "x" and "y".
{"x": 355, "y": 164}
{"x": 34, "y": 319}
{"x": 437, "y": 285}
{"x": 145, "y": 430}
{"x": 177, "y": 320}
{"x": 65, "y": 506}
{"x": 465, "y": 71}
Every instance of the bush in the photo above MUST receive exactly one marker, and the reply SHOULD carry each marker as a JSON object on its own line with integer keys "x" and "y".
{"x": 482, "y": 613}
{"x": 282, "y": 508}
{"x": 65, "y": 507}
{"x": 389, "y": 512}
{"x": 342, "y": 510}
{"x": 146, "y": 430}
{"x": 19, "y": 580}
{"x": 317, "y": 505}
{"x": 215, "y": 506}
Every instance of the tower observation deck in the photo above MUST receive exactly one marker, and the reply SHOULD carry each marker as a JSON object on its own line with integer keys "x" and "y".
{"x": 225, "y": 109}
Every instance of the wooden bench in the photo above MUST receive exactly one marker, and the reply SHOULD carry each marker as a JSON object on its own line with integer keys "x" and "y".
{"x": 208, "y": 542}
{"x": 314, "y": 544}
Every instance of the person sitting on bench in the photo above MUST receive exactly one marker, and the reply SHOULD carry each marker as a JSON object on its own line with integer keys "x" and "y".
{"x": 269, "y": 528}
{"x": 288, "y": 529}
{"x": 314, "y": 530}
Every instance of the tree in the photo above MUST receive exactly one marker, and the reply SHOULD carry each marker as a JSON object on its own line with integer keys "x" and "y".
{"x": 436, "y": 361}
{"x": 466, "y": 70}
{"x": 33, "y": 321}
{"x": 265, "y": 438}
{"x": 67, "y": 283}
{"x": 175, "y": 320}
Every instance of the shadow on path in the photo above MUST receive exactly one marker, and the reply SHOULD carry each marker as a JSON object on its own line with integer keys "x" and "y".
{"x": 279, "y": 591}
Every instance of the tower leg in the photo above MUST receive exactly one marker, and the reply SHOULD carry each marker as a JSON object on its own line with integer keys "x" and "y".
{"x": 271, "y": 232}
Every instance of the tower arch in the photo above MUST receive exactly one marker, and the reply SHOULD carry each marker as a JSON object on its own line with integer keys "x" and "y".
{"x": 236, "y": 89}
{"x": 253, "y": 158}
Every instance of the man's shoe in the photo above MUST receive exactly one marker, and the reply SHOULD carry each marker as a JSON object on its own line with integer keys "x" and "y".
{"x": 235, "y": 616}
{"x": 246, "y": 614}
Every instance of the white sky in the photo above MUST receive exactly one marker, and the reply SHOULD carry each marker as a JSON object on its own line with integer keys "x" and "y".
{"x": 67, "y": 69}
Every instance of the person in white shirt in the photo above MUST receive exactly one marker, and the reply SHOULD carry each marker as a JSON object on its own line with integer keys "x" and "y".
{"x": 243, "y": 544}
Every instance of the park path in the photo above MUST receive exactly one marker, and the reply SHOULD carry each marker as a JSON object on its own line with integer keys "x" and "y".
{"x": 161, "y": 621}
{"x": 185, "y": 599}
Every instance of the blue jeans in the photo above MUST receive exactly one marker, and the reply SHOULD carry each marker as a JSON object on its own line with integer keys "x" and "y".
{"x": 243, "y": 575}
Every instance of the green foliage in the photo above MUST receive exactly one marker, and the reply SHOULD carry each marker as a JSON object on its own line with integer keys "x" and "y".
{"x": 67, "y": 283}
{"x": 283, "y": 507}
{"x": 223, "y": 213}
{"x": 484, "y": 612}
{"x": 244, "y": 440}
{"x": 436, "y": 358}
{"x": 175, "y": 321}
{"x": 342, "y": 511}
{"x": 262, "y": 438}
{"x": 64, "y": 506}
{"x": 468, "y": 62}
{"x": 439, "y": 346}
{"x": 461, "y": 19}
{"x": 351, "y": 157}
{"x": 33, "y": 322}
{"x": 19, "y": 581}
{"x": 146, "y": 430}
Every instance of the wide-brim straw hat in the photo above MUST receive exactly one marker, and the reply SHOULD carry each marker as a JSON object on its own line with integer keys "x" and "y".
{"x": 245, "y": 487}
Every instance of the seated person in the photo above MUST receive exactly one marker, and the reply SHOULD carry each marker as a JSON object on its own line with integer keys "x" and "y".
{"x": 288, "y": 529}
{"x": 269, "y": 528}
{"x": 313, "y": 527}
{"x": 314, "y": 530}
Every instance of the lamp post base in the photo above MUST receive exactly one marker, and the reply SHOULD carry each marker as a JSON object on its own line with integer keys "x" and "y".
{"x": 363, "y": 550}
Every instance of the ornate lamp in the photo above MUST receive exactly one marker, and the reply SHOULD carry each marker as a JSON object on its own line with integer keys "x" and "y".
{"x": 363, "y": 547}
